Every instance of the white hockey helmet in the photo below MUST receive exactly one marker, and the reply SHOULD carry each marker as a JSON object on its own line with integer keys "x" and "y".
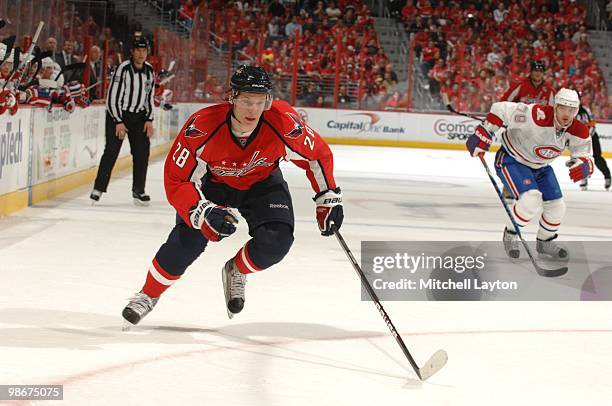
{"x": 48, "y": 63}
{"x": 9, "y": 58}
{"x": 567, "y": 97}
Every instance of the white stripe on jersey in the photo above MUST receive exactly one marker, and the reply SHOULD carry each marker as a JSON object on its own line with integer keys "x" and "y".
{"x": 317, "y": 171}
{"x": 131, "y": 90}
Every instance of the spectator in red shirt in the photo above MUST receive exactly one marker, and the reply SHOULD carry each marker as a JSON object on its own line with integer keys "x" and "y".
{"x": 437, "y": 75}
{"x": 428, "y": 55}
{"x": 409, "y": 12}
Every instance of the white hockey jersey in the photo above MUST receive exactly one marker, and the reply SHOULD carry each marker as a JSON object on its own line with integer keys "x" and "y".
{"x": 531, "y": 137}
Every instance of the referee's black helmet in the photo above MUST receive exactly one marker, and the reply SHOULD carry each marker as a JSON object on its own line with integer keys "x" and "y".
{"x": 140, "y": 42}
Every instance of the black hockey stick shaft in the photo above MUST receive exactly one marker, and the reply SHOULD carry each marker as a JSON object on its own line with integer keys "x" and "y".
{"x": 69, "y": 68}
{"x": 436, "y": 362}
{"x": 9, "y": 42}
{"x": 26, "y": 58}
{"x": 452, "y": 110}
{"x": 541, "y": 271}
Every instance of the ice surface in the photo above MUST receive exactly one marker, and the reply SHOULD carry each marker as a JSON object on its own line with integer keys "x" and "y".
{"x": 305, "y": 337}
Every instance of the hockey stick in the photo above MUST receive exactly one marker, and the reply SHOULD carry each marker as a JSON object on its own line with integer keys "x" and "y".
{"x": 450, "y": 108}
{"x": 21, "y": 66}
{"x": 70, "y": 68}
{"x": 550, "y": 273}
{"x": 38, "y": 57}
{"x": 435, "y": 362}
{"x": 30, "y": 51}
{"x": 9, "y": 43}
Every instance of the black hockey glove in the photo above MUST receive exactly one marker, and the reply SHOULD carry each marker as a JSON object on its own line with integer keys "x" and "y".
{"x": 329, "y": 210}
{"x": 215, "y": 222}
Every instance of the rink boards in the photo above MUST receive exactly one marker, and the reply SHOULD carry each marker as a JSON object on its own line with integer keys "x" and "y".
{"x": 46, "y": 153}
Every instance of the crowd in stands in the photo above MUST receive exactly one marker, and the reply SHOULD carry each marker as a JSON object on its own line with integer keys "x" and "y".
{"x": 473, "y": 50}
{"x": 319, "y": 23}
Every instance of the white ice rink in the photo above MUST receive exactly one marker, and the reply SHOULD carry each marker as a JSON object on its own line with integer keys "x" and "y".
{"x": 305, "y": 337}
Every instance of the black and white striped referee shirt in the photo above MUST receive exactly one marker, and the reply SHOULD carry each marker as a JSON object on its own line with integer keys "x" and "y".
{"x": 131, "y": 90}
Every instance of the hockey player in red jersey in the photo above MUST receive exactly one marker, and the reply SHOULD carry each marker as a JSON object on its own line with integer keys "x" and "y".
{"x": 227, "y": 157}
{"x": 532, "y": 89}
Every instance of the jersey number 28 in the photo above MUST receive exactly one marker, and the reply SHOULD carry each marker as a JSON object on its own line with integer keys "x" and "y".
{"x": 180, "y": 158}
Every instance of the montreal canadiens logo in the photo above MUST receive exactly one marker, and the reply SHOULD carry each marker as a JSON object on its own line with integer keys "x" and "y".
{"x": 547, "y": 152}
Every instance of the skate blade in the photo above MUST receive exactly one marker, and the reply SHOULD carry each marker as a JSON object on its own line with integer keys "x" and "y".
{"x": 141, "y": 203}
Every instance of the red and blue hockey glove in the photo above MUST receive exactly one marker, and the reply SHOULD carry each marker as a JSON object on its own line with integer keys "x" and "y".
{"x": 479, "y": 142}
{"x": 580, "y": 168}
{"x": 215, "y": 222}
{"x": 329, "y": 210}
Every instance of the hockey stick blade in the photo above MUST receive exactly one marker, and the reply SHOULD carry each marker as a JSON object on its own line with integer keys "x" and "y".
{"x": 548, "y": 273}
{"x": 435, "y": 362}
{"x": 551, "y": 273}
{"x": 433, "y": 365}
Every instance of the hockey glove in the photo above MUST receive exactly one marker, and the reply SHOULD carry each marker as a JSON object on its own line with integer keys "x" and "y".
{"x": 215, "y": 222}
{"x": 329, "y": 210}
{"x": 479, "y": 142}
{"x": 580, "y": 168}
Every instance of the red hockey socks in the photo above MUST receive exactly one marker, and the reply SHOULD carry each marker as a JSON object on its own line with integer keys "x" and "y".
{"x": 158, "y": 280}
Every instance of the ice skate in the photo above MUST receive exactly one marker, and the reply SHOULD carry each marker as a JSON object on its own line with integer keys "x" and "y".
{"x": 511, "y": 244}
{"x": 607, "y": 184}
{"x": 584, "y": 184}
{"x": 95, "y": 196}
{"x": 233, "y": 288}
{"x": 551, "y": 248}
{"x": 139, "y": 306}
{"x": 141, "y": 199}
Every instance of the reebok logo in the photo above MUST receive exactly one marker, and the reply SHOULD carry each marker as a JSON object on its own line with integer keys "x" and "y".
{"x": 11, "y": 146}
{"x": 279, "y": 206}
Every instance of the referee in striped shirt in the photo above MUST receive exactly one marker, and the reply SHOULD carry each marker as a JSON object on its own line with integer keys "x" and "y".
{"x": 129, "y": 111}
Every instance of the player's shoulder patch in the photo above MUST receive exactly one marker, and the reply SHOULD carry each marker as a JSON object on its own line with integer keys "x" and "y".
{"x": 285, "y": 120}
{"x": 542, "y": 115}
{"x": 578, "y": 129}
{"x": 204, "y": 121}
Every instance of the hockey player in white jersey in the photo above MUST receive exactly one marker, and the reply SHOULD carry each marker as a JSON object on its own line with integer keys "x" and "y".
{"x": 535, "y": 135}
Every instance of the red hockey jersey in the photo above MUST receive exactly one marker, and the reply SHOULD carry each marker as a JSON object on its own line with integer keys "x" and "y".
{"x": 206, "y": 145}
{"x": 526, "y": 92}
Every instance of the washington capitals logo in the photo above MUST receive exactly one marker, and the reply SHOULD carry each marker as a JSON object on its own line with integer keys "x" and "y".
{"x": 192, "y": 132}
{"x": 297, "y": 127}
{"x": 246, "y": 168}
